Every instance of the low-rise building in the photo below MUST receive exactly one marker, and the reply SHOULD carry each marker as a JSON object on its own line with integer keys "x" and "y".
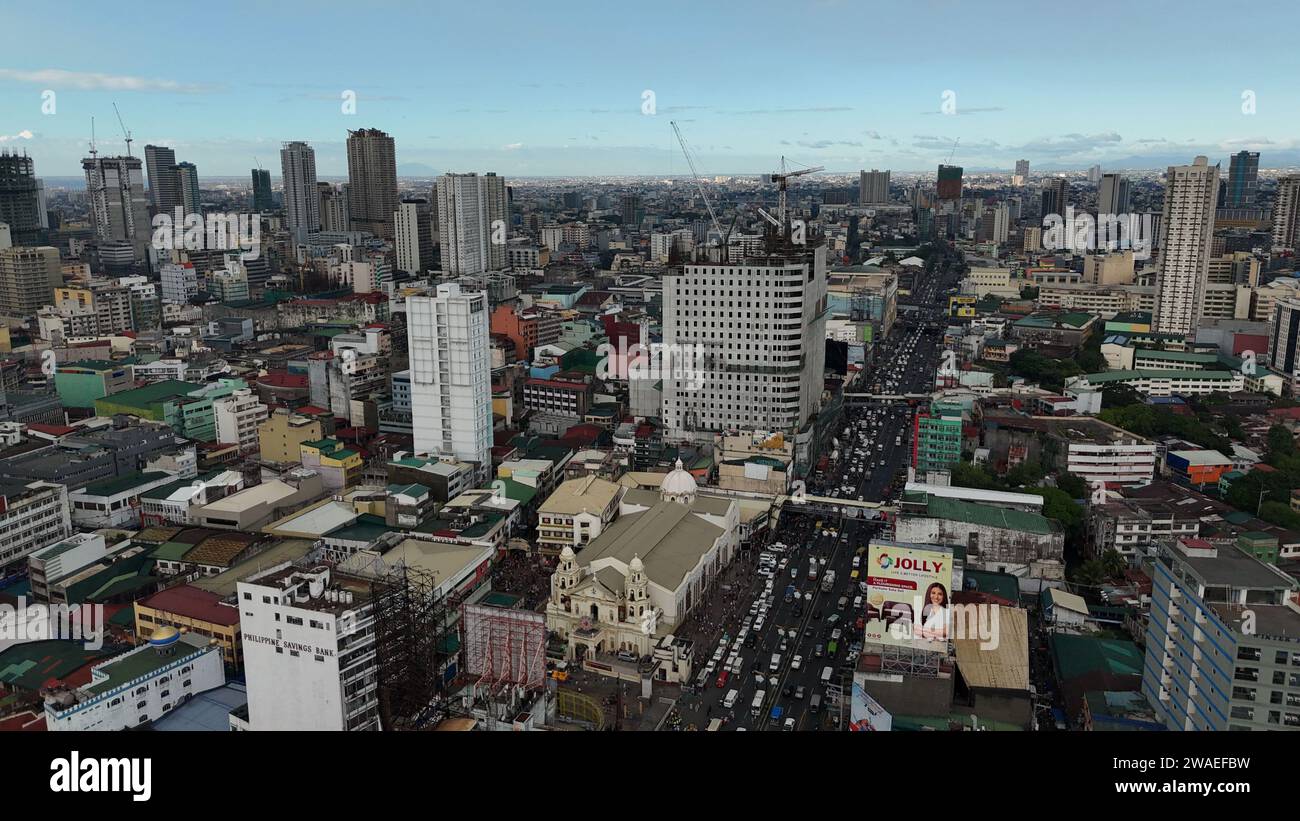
{"x": 139, "y": 686}
{"x": 575, "y": 513}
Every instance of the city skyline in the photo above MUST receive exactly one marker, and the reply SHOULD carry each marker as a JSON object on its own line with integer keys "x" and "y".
{"x": 840, "y": 106}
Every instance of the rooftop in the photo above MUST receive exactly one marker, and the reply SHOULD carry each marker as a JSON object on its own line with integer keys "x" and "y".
{"x": 955, "y": 510}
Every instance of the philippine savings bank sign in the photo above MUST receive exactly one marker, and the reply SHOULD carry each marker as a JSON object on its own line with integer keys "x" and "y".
{"x": 281, "y": 644}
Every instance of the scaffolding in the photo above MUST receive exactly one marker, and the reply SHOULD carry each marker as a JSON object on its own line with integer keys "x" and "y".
{"x": 410, "y": 644}
{"x": 909, "y": 661}
{"x": 504, "y": 648}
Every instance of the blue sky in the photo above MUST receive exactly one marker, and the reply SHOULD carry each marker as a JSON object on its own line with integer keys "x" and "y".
{"x": 557, "y": 88}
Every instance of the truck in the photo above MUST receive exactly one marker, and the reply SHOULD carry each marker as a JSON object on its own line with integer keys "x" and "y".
{"x": 828, "y": 581}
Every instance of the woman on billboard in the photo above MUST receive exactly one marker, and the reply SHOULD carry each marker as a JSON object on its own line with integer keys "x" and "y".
{"x": 934, "y": 615}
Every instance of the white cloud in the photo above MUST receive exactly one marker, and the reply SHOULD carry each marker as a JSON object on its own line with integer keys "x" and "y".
{"x": 94, "y": 81}
{"x": 512, "y": 147}
{"x": 25, "y": 134}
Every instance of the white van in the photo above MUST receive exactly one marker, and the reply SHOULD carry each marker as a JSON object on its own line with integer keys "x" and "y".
{"x": 826, "y": 675}
{"x": 730, "y": 700}
{"x": 857, "y": 602}
{"x": 757, "y": 707}
{"x": 776, "y": 662}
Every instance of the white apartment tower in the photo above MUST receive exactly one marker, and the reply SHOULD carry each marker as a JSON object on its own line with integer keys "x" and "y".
{"x": 472, "y": 213}
{"x": 1187, "y": 231}
{"x": 309, "y": 650}
{"x": 760, "y": 325}
{"x": 301, "y": 198}
{"x": 413, "y": 225}
{"x": 451, "y": 382}
{"x": 1286, "y": 213}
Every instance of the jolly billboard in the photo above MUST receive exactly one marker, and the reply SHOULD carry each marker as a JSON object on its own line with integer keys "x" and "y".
{"x": 909, "y": 595}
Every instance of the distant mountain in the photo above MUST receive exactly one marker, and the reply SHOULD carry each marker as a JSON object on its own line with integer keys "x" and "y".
{"x": 416, "y": 169}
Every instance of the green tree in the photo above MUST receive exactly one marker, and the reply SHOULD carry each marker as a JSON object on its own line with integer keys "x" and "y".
{"x": 1075, "y": 486}
{"x": 1091, "y": 573}
{"x": 1114, "y": 563}
{"x": 1281, "y": 442}
{"x": 966, "y": 474}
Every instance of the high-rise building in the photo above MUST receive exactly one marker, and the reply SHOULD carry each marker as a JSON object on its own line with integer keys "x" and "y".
{"x": 119, "y": 208}
{"x": 1112, "y": 195}
{"x": 262, "y": 199}
{"x": 413, "y": 225}
{"x": 20, "y": 206}
{"x": 873, "y": 187}
{"x": 1187, "y": 230}
{"x": 757, "y": 329}
{"x": 301, "y": 199}
{"x": 335, "y": 207}
{"x": 949, "y": 182}
{"x": 372, "y": 177}
{"x": 1220, "y": 641}
{"x": 1022, "y": 173}
{"x": 28, "y": 277}
{"x": 451, "y": 381}
{"x": 1094, "y": 174}
{"x": 1054, "y": 196}
{"x": 630, "y": 206}
{"x": 473, "y": 217}
{"x": 187, "y": 176}
{"x": 1284, "y": 341}
{"x": 164, "y": 187}
{"x": 1286, "y": 213}
{"x": 1243, "y": 176}
{"x": 309, "y": 649}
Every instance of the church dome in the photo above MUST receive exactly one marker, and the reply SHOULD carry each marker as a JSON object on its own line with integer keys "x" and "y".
{"x": 678, "y": 483}
{"x": 635, "y": 565}
{"x": 567, "y": 554}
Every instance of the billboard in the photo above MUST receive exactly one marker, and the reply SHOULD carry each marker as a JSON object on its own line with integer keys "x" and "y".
{"x": 865, "y": 713}
{"x": 909, "y": 595}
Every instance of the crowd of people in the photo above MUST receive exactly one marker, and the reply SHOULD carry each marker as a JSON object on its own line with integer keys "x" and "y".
{"x": 524, "y": 575}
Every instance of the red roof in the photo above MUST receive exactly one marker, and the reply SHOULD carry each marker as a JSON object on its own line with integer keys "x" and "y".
{"x": 194, "y": 603}
{"x": 29, "y": 721}
{"x": 312, "y": 410}
{"x": 50, "y": 430}
{"x": 283, "y": 379}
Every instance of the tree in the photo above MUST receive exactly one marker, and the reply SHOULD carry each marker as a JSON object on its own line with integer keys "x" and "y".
{"x": 1028, "y": 472}
{"x": 1114, "y": 563}
{"x": 1075, "y": 486}
{"x": 966, "y": 474}
{"x": 1118, "y": 394}
{"x": 1091, "y": 573}
{"x": 1281, "y": 442}
{"x": 1058, "y": 505}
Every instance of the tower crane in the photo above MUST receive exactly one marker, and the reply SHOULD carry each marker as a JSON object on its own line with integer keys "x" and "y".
{"x": 696, "y": 174}
{"x": 781, "y": 179}
{"x": 126, "y": 134}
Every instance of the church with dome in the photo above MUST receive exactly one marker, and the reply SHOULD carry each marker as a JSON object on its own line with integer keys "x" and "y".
{"x": 627, "y": 589}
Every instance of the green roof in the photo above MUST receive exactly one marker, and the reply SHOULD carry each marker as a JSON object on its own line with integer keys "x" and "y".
{"x": 97, "y": 365}
{"x": 141, "y": 662}
{"x": 409, "y": 490}
{"x": 956, "y": 510}
{"x": 1146, "y": 373}
{"x": 171, "y": 551}
{"x": 1080, "y": 655}
{"x": 999, "y": 584}
{"x": 519, "y": 491}
{"x": 152, "y": 394}
{"x": 366, "y": 528}
{"x": 112, "y": 487}
{"x": 1176, "y": 356}
{"x": 1074, "y": 319}
{"x": 29, "y": 665}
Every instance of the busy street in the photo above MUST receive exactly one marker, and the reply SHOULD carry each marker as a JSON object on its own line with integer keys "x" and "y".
{"x": 777, "y": 646}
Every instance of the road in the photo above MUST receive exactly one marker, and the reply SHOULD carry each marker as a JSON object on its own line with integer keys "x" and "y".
{"x": 906, "y": 362}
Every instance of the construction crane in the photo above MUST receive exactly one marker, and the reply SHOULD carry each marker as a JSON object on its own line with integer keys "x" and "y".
{"x": 696, "y": 174}
{"x": 781, "y": 179}
{"x": 126, "y": 134}
{"x": 953, "y": 151}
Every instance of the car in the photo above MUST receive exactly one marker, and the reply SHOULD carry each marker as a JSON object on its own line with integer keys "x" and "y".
{"x": 722, "y": 678}
{"x": 836, "y": 633}
{"x": 799, "y": 692}
{"x": 796, "y": 662}
{"x": 854, "y": 574}
{"x": 773, "y": 681}
{"x": 818, "y": 651}
{"x": 789, "y": 723}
